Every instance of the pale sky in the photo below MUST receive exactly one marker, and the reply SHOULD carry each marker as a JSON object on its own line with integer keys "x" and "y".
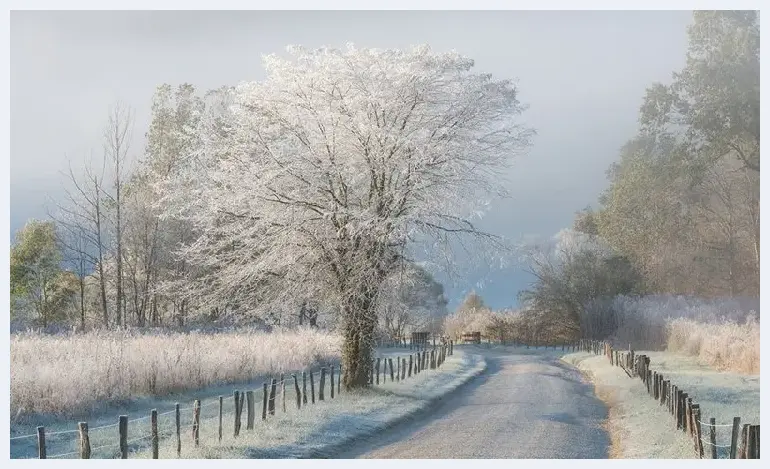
{"x": 582, "y": 73}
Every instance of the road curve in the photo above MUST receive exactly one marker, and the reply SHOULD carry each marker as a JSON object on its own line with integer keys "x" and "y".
{"x": 526, "y": 405}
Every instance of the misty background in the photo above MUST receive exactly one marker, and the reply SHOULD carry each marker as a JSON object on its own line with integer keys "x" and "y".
{"x": 583, "y": 75}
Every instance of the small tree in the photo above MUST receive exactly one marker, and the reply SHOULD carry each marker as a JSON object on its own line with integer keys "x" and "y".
{"x": 37, "y": 279}
{"x": 471, "y": 316}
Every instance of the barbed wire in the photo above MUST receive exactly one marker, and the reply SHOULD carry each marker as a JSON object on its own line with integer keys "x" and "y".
{"x": 718, "y": 446}
{"x": 716, "y": 424}
{"x": 171, "y": 430}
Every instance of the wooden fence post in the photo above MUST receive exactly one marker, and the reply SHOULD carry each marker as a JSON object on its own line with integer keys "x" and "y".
{"x": 265, "y": 397}
{"x": 683, "y": 411}
{"x": 85, "y": 443}
{"x": 196, "y": 422}
{"x": 178, "y": 421}
{"x": 409, "y": 374}
{"x": 648, "y": 382}
{"x": 249, "y": 410}
{"x": 154, "y": 432}
{"x": 678, "y": 408}
{"x": 41, "y": 442}
{"x": 713, "y": 437}
{"x": 378, "y": 370}
{"x": 221, "y": 413}
{"x": 304, "y": 388}
{"x": 698, "y": 432}
{"x": 273, "y": 389}
{"x": 403, "y": 369}
{"x": 123, "y": 436}
{"x": 752, "y": 451}
{"x": 331, "y": 381}
{"x": 670, "y": 397}
{"x": 296, "y": 390}
{"x": 339, "y": 378}
{"x": 734, "y": 437}
{"x": 312, "y": 387}
{"x": 283, "y": 393}
{"x": 390, "y": 365}
{"x": 744, "y": 442}
{"x": 322, "y": 384}
{"x": 236, "y": 414}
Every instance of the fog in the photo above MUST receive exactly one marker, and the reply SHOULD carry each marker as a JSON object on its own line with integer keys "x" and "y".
{"x": 583, "y": 75}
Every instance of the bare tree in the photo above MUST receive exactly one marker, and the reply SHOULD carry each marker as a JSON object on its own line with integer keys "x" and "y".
{"x": 117, "y": 136}
{"x": 81, "y": 221}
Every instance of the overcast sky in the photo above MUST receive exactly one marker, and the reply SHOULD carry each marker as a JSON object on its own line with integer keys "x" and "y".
{"x": 582, "y": 73}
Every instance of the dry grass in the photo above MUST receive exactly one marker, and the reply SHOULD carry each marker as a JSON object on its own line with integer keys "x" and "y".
{"x": 66, "y": 374}
{"x": 726, "y": 346}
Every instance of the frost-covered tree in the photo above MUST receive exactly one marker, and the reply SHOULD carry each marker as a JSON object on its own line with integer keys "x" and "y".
{"x": 317, "y": 181}
{"x": 571, "y": 271}
{"x": 409, "y": 301}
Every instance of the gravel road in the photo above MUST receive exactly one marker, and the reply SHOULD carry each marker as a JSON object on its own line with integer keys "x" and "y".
{"x": 526, "y": 405}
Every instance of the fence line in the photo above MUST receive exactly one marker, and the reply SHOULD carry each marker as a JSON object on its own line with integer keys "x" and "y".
{"x": 330, "y": 376}
{"x": 744, "y": 441}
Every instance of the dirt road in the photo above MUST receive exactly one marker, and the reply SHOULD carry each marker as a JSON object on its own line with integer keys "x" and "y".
{"x": 528, "y": 405}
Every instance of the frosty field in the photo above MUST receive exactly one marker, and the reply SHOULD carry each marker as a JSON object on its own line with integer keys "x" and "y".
{"x": 641, "y": 428}
{"x": 308, "y": 432}
{"x": 104, "y": 369}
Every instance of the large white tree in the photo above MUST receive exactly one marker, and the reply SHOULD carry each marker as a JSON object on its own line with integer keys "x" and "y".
{"x": 317, "y": 181}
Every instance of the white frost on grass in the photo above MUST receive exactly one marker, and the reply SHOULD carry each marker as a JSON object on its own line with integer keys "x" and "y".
{"x": 312, "y": 431}
{"x": 317, "y": 429}
{"x": 639, "y": 427}
{"x": 108, "y": 368}
{"x": 721, "y": 395}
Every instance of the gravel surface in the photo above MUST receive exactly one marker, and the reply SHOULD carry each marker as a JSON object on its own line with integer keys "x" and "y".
{"x": 526, "y": 405}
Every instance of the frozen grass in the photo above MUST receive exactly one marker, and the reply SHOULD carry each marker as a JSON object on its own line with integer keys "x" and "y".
{"x": 721, "y": 395}
{"x": 721, "y": 332}
{"x": 641, "y": 428}
{"x": 72, "y": 374}
{"x": 316, "y": 430}
{"x": 724, "y": 346}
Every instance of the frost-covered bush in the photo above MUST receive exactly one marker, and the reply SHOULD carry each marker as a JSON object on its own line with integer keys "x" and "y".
{"x": 68, "y": 373}
{"x": 723, "y": 332}
{"x": 725, "y": 345}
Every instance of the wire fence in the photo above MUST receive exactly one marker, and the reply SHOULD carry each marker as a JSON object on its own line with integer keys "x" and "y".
{"x": 223, "y": 417}
{"x": 741, "y": 442}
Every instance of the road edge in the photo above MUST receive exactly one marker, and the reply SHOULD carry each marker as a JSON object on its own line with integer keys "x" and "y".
{"x": 329, "y": 452}
{"x": 604, "y": 394}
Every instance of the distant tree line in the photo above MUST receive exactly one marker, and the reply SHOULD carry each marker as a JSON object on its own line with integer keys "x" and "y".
{"x": 681, "y": 213}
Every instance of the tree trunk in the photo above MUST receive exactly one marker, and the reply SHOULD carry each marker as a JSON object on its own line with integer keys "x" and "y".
{"x": 100, "y": 248}
{"x": 82, "y": 303}
{"x": 358, "y": 346}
